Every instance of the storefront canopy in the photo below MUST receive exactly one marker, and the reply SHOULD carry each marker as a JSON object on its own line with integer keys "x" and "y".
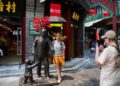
{"x": 56, "y": 19}
{"x": 89, "y": 24}
{"x": 101, "y": 22}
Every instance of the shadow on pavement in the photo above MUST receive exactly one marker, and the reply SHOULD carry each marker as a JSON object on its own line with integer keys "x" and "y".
{"x": 65, "y": 77}
{"x": 89, "y": 82}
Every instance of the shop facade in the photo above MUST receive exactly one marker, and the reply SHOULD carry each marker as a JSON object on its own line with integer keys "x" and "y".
{"x": 103, "y": 16}
{"x": 22, "y": 34}
{"x": 74, "y": 15}
{"x": 72, "y": 12}
{"x": 12, "y": 27}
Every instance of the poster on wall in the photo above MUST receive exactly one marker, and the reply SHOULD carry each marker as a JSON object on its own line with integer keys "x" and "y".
{"x": 12, "y": 7}
{"x": 32, "y": 30}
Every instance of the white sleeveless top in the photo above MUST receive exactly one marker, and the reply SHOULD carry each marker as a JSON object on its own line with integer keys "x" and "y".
{"x": 58, "y": 47}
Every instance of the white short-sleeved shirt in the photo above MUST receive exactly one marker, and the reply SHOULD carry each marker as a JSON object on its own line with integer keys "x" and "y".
{"x": 108, "y": 77}
{"x": 58, "y": 47}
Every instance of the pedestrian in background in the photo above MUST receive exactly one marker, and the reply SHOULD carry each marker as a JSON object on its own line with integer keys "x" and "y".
{"x": 59, "y": 54}
{"x": 109, "y": 60}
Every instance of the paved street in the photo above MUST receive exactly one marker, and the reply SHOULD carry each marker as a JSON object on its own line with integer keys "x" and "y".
{"x": 77, "y": 72}
{"x": 85, "y": 77}
{"x": 9, "y": 81}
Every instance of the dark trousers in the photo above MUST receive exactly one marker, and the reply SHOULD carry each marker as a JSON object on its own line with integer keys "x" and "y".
{"x": 45, "y": 62}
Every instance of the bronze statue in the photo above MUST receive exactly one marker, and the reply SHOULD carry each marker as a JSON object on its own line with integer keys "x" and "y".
{"x": 41, "y": 49}
{"x": 28, "y": 70}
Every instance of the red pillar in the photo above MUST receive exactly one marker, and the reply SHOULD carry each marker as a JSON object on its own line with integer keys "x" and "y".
{"x": 114, "y": 15}
{"x": 67, "y": 30}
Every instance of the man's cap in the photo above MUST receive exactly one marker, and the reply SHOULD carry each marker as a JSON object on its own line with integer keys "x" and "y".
{"x": 109, "y": 34}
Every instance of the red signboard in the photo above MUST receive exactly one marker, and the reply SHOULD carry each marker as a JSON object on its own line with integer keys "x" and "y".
{"x": 55, "y": 9}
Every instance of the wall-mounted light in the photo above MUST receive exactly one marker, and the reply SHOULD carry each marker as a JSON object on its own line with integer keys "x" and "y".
{"x": 41, "y": 1}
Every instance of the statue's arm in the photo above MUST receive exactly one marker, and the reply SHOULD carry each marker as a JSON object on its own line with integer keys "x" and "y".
{"x": 32, "y": 66}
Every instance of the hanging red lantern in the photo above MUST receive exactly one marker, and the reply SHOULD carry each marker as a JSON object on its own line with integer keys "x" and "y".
{"x": 92, "y": 12}
{"x": 106, "y": 13}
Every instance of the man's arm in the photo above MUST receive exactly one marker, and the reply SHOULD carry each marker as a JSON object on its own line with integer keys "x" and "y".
{"x": 97, "y": 55}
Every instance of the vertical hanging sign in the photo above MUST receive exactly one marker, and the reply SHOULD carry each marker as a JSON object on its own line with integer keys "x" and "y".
{"x": 55, "y": 9}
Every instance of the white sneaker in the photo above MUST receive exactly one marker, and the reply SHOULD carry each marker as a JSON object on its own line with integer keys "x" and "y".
{"x": 59, "y": 80}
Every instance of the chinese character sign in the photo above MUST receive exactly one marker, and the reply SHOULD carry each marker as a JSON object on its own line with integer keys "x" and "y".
{"x": 55, "y": 9}
{"x": 1, "y": 6}
{"x": 75, "y": 16}
{"x": 12, "y": 7}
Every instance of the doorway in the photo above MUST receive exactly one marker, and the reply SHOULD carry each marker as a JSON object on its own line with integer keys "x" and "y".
{"x": 10, "y": 39}
{"x": 76, "y": 42}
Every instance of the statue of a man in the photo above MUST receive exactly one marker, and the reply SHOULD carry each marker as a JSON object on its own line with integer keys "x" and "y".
{"x": 41, "y": 50}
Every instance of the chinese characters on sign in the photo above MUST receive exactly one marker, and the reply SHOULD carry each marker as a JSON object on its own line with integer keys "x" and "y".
{"x": 55, "y": 9}
{"x": 12, "y": 8}
{"x": 76, "y": 16}
{"x": 8, "y": 7}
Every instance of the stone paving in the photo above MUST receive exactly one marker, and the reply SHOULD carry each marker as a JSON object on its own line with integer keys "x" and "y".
{"x": 78, "y": 72}
{"x": 9, "y": 81}
{"x": 84, "y": 77}
{"x": 75, "y": 64}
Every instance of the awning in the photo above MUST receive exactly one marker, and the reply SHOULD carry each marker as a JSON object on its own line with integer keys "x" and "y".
{"x": 57, "y": 19}
{"x": 102, "y": 22}
{"x": 89, "y": 24}
{"x": 108, "y": 21}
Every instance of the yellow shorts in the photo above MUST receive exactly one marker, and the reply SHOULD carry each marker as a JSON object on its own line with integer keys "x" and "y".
{"x": 58, "y": 59}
